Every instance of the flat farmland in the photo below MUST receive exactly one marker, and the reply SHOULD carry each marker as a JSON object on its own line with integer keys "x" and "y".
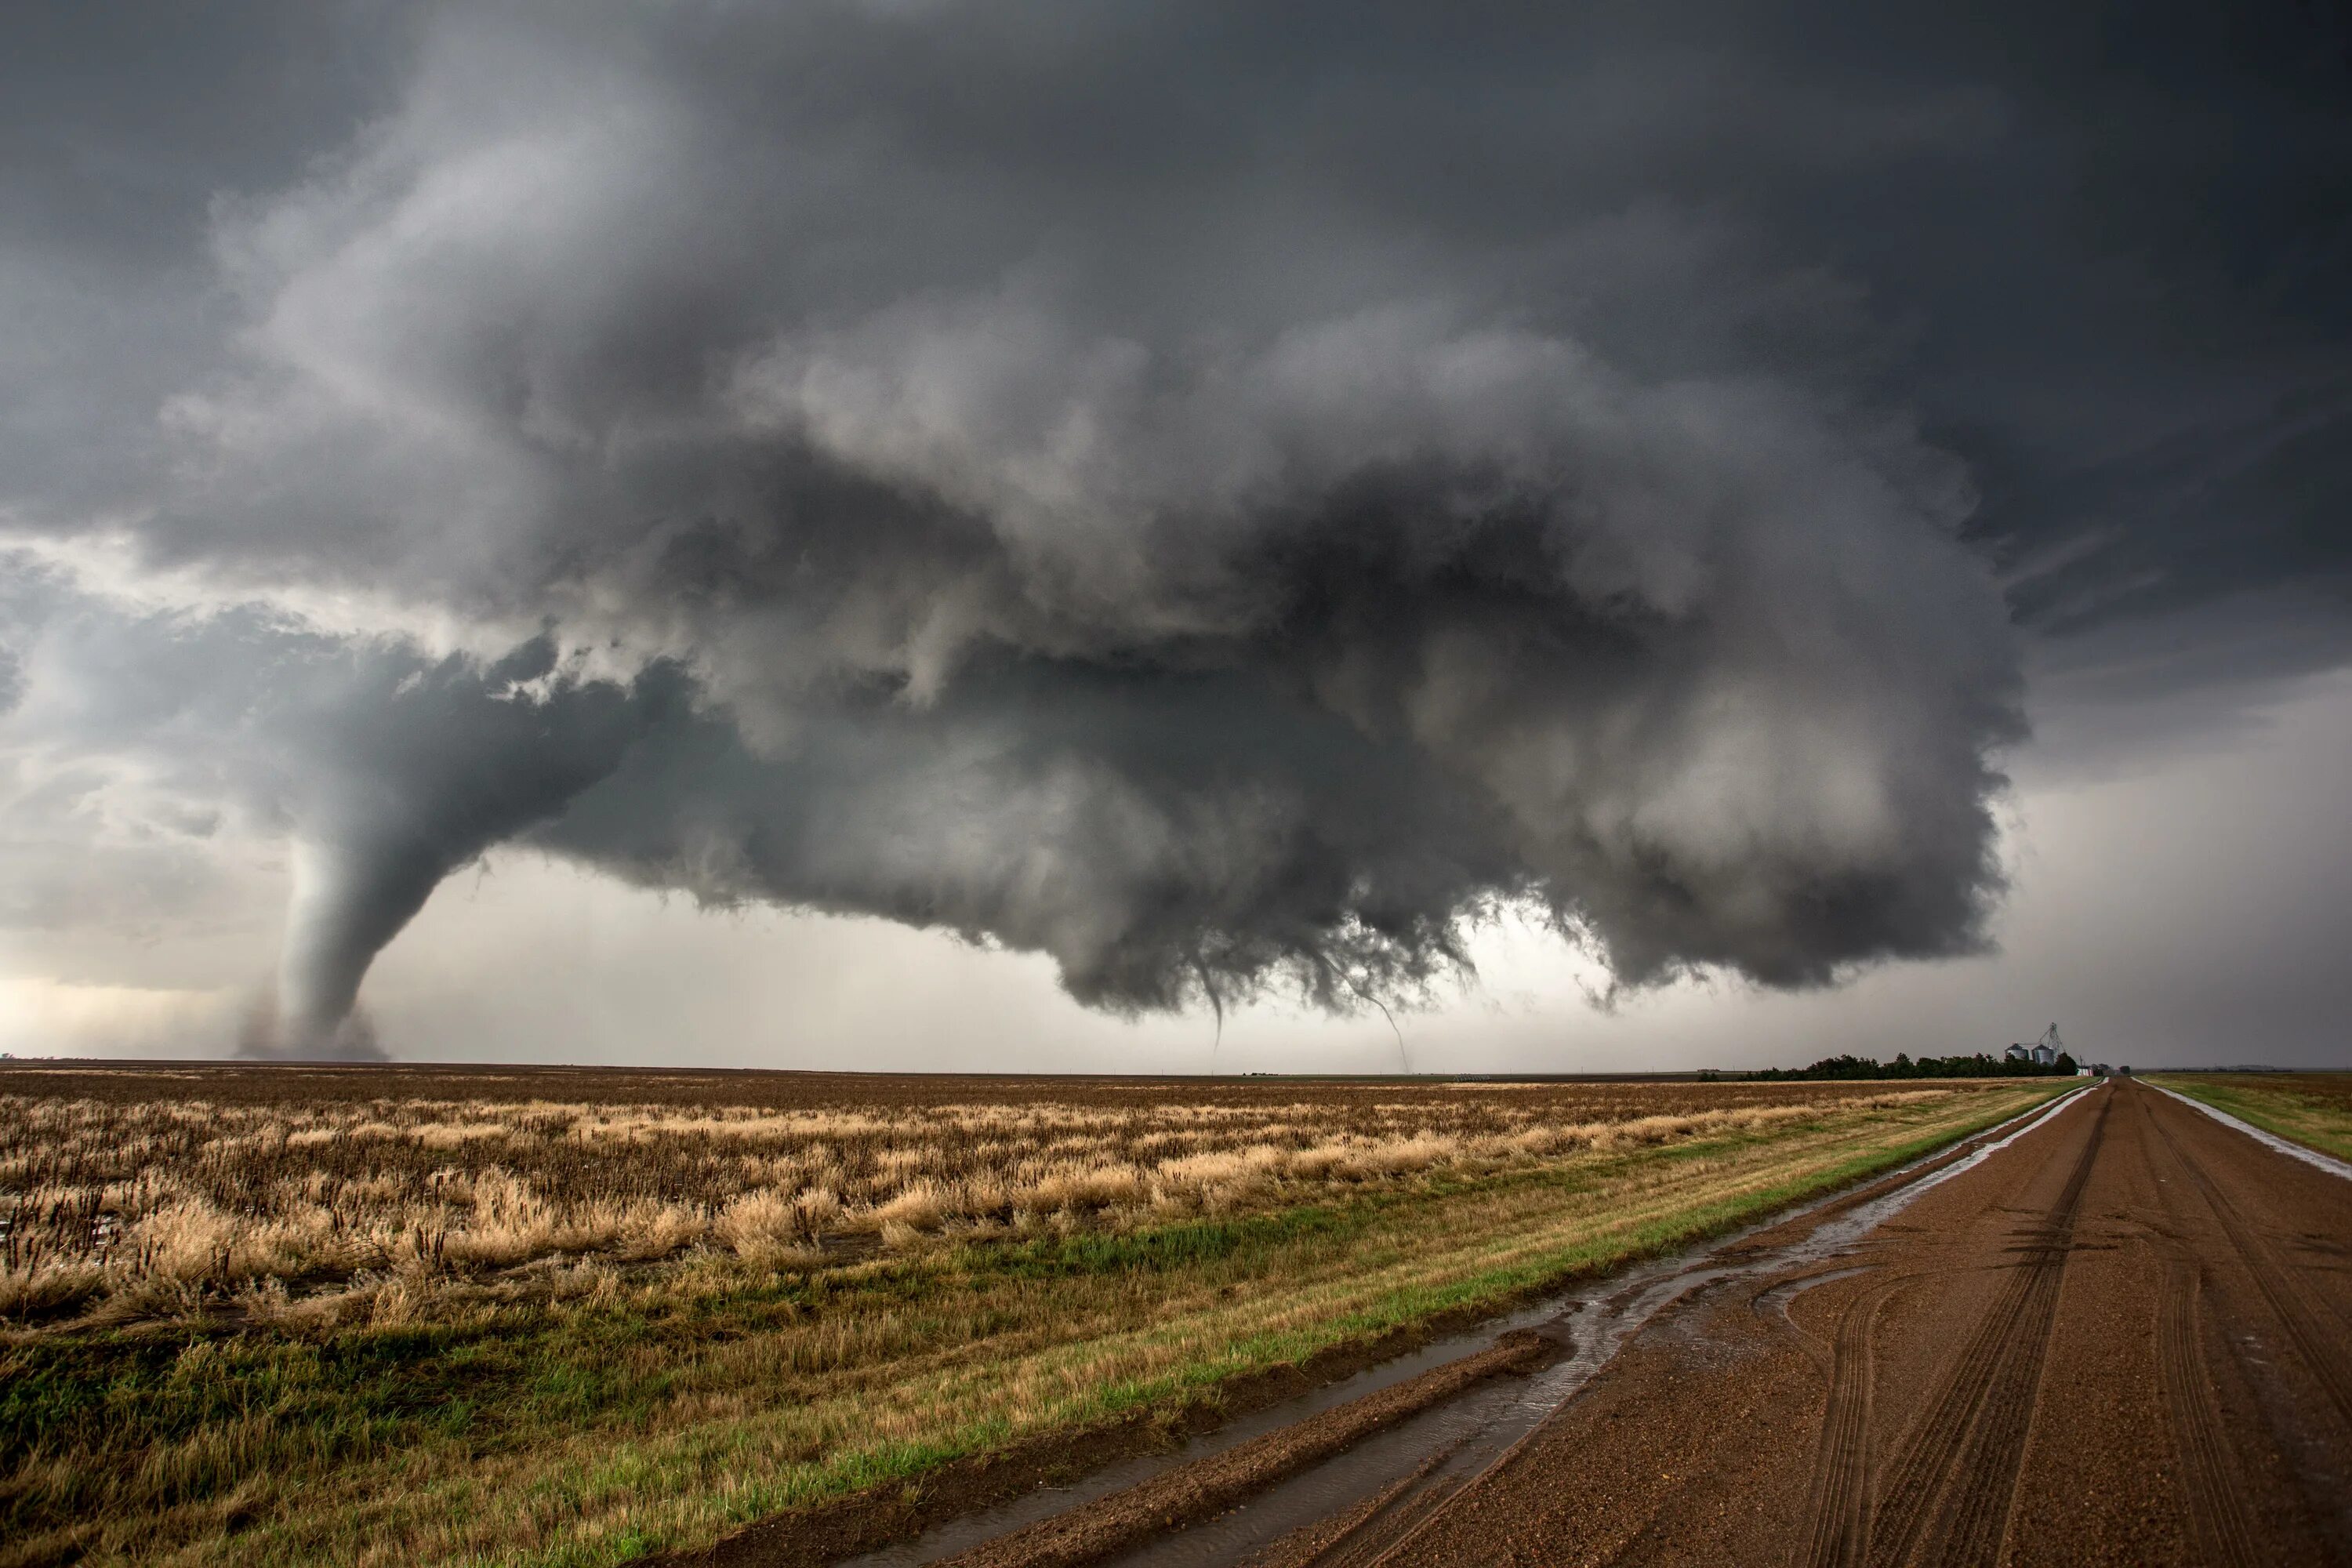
{"x": 273, "y": 1314}
{"x": 2313, "y": 1108}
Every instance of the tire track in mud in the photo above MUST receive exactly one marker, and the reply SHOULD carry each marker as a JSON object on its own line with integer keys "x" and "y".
{"x": 1975, "y": 1509}
{"x": 1950, "y": 1485}
{"x": 1363, "y": 1549}
{"x": 1382, "y": 1528}
{"x": 2310, "y": 1336}
{"x": 2208, "y": 1471}
{"x": 1174, "y": 1498}
{"x": 1840, "y": 1532}
{"x": 1364, "y": 1534}
{"x": 2210, "y": 1475}
{"x": 2180, "y": 1427}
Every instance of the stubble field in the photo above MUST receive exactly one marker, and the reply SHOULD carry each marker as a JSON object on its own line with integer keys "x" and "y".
{"x": 406, "y": 1315}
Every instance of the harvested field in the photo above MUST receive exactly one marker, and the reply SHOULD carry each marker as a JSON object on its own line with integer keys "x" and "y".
{"x": 133, "y": 1194}
{"x": 387, "y": 1315}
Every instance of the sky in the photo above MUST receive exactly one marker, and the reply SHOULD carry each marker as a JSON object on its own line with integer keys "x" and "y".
{"x": 1208, "y": 537}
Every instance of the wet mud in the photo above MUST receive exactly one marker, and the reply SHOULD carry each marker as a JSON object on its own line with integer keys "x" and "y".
{"x": 2124, "y": 1338}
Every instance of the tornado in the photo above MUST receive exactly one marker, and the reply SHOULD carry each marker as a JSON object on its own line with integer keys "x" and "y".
{"x": 405, "y": 770}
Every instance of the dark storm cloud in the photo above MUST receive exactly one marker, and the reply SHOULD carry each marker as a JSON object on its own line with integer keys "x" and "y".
{"x": 118, "y": 128}
{"x": 1211, "y": 494}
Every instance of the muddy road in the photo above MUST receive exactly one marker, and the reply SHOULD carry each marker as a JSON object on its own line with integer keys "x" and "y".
{"x": 2120, "y": 1332}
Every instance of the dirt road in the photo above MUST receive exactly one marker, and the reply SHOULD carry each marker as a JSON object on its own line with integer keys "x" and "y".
{"x": 2127, "y": 1338}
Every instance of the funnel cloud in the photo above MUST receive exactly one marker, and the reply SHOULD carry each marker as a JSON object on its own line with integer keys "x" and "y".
{"x": 453, "y": 759}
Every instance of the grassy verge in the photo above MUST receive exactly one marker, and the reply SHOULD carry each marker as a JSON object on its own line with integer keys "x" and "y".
{"x": 665, "y": 1410}
{"x": 2313, "y": 1108}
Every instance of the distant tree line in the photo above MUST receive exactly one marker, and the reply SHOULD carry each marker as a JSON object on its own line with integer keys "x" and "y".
{"x": 1852, "y": 1066}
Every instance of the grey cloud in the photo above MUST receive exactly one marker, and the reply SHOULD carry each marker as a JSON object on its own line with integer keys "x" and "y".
{"x": 1213, "y": 496}
{"x": 1284, "y": 663}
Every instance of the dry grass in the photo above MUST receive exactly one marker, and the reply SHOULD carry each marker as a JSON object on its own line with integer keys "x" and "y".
{"x": 113, "y": 1208}
{"x": 386, "y": 1316}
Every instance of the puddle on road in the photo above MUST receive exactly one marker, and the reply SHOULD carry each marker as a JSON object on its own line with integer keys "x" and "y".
{"x": 1445, "y": 1446}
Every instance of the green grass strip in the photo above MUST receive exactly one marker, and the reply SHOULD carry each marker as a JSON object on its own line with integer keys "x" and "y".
{"x": 2288, "y": 1105}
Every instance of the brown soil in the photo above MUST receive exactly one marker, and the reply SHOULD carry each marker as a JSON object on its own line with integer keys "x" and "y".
{"x": 808, "y": 1538}
{"x": 2126, "y": 1338}
{"x": 1210, "y": 1486}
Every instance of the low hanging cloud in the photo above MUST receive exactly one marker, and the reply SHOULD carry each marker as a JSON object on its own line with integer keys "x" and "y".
{"x": 1287, "y": 663}
{"x": 725, "y": 456}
